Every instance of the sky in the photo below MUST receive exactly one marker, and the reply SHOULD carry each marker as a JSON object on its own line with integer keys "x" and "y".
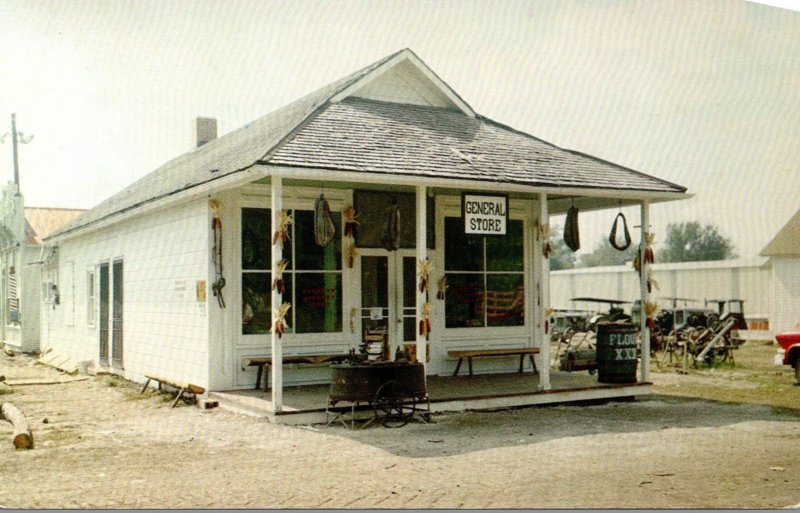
{"x": 699, "y": 93}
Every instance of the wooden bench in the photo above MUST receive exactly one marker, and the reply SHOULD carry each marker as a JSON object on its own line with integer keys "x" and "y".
{"x": 266, "y": 361}
{"x": 182, "y": 387}
{"x": 479, "y": 353}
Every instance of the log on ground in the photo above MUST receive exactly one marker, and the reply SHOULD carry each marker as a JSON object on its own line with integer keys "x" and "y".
{"x": 23, "y": 439}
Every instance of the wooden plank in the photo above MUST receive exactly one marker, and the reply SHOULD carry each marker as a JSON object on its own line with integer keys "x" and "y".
{"x": 493, "y": 352}
{"x": 188, "y": 387}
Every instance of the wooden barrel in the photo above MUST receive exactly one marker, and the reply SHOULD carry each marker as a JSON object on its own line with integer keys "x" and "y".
{"x": 616, "y": 352}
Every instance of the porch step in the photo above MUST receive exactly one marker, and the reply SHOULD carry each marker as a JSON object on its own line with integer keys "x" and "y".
{"x": 244, "y": 405}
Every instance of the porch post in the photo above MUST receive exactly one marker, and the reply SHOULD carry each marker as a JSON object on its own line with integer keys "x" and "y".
{"x": 544, "y": 296}
{"x": 645, "y": 296}
{"x": 422, "y": 254}
{"x": 276, "y": 199}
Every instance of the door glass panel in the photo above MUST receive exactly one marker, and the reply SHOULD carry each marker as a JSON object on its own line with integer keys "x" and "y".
{"x": 374, "y": 291}
{"x": 409, "y": 306}
{"x": 104, "y": 314}
{"x": 116, "y": 334}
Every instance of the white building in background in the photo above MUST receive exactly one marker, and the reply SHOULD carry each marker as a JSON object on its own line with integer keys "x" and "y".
{"x": 747, "y": 279}
{"x": 21, "y": 233}
{"x": 783, "y": 252}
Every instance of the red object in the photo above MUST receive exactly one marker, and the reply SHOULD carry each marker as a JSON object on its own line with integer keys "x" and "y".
{"x": 790, "y": 342}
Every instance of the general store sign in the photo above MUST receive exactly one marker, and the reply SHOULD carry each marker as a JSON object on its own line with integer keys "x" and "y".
{"x": 484, "y": 214}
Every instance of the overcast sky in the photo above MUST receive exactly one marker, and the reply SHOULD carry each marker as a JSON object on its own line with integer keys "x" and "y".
{"x": 701, "y": 93}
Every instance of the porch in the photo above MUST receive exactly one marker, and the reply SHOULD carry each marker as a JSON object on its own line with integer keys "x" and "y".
{"x": 306, "y": 404}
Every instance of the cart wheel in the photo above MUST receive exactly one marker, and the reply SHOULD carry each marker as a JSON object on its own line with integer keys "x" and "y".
{"x": 392, "y": 408}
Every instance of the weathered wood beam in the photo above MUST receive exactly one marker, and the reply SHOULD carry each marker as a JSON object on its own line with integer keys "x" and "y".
{"x": 22, "y": 437}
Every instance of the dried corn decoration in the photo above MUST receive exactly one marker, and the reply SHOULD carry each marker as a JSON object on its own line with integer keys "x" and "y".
{"x": 277, "y": 283}
{"x": 649, "y": 258}
{"x": 282, "y": 233}
{"x": 650, "y": 310}
{"x": 651, "y": 282}
{"x": 424, "y": 272}
{"x": 425, "y": 322}
{"x": 352, "y": 253}
{"x": 279, "y": 319}
{"x": 544, "y": 233}
{"x": 350, "y": 222}
{"x": 442, "y": 288}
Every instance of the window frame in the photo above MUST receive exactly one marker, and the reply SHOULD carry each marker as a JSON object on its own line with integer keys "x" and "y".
{"x": 91, "y": 297}
{"x": 516, "y": 214}
{"x": 292, "y": 272}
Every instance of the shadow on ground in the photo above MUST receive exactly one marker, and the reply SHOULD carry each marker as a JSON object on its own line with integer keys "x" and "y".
{"x": 460, "y": 433}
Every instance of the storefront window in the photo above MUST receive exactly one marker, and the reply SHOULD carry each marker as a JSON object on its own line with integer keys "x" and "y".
{"x": 486, "y": 285}
{"x": 373, "y": 209}
{"x": 313, "y": 278}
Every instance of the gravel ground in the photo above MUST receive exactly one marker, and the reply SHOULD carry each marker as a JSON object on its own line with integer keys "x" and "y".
{"x": 100, "y": 444}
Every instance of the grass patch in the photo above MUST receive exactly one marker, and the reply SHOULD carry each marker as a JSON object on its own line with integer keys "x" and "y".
{"x": 752, "y": 379}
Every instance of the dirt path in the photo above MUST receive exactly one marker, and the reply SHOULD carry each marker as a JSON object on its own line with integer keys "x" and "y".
{"x": 105, "y": 446}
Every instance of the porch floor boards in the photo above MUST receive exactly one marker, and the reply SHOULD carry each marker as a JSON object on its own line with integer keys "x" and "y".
{"x": 441, "y": 389}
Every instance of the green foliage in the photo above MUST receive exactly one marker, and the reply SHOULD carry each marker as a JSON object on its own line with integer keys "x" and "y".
{"x": 561, "y": 257}
{"x": 691, "y": 242}
{"x": 605, "y": 254}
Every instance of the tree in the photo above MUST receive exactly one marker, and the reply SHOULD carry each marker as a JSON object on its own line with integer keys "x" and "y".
{"x": 691, "y": 242}
{"x": 561, "y": 257}
{"x": 605, "y": 254}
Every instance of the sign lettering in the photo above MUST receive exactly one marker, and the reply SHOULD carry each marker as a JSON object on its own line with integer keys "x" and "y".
{"x": 484, "y": 214}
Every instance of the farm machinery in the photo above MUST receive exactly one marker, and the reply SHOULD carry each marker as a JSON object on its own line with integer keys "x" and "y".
{"x": 575, "y": 332}
{"x": 699, "y": 335}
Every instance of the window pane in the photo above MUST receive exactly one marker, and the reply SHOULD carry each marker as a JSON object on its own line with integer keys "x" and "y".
{"x": 257, "y": 302}
{"x": 505, "y": 300}
{"x": 505, "y": 252}
{"x": 461, "y": 252}
{"x": 310, "y": 256}
{"x": 256, "y": 238}
{"x": 372, "y": 208}
{"x": 464, "y": 301}
{"x": 318, "y": 302}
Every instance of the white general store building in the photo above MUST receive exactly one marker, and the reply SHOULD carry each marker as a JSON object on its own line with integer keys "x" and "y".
{"x": 136, "y": 273}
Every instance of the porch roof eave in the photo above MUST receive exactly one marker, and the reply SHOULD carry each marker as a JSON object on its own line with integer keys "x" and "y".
{"x": 559, "y": 197}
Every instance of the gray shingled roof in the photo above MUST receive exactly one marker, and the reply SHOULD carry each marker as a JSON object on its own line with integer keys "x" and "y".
{"x": 372, "y": 136}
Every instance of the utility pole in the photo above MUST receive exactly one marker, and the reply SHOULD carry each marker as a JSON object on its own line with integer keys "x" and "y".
{"x": 14, "y": 145}
{"x": 16, "y": 137}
